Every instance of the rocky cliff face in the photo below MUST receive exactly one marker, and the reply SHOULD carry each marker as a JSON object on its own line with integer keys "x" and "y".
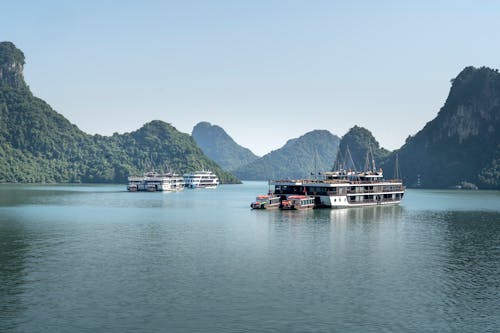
{"x": 463, "y": 142}
{"x": 11, "y": 65}
{"x": 473, "y": 104}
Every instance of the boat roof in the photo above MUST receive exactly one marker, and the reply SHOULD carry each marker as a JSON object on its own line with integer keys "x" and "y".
{"x": 298, "y": 197}
{"x": 333, "y": 182}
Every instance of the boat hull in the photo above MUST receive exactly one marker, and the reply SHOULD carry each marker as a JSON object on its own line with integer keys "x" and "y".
{"x": 264, "y": 206}
{"x": 203, "y": 186}
{"x": 297, "y": 207}
{"x": 359, "y": 201}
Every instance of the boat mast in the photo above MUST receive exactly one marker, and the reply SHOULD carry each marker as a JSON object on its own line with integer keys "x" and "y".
{"x": 367, "y": 161}
{"x": 315, "y": 164}
{"x": 336, "y": 164}
{"x": 396, "y": 168}
{"x": 374, "y": 168}
{"x": 348, "y": 159}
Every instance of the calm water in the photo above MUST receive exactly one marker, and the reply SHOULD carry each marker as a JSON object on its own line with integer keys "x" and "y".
{"x": 96, "y": 258}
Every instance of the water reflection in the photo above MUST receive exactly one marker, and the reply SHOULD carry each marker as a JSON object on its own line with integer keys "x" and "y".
{"x": 366, "y": 214}
{"x": 337, "y": 216}
{"x": 14, "y": 245}
{"x": 99, "y": 257}
{"x": 17, "y": 195}
{"x": 472, "y": 244}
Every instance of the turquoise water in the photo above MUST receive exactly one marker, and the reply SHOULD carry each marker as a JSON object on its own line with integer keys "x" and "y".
{"x": 100, "y": 259}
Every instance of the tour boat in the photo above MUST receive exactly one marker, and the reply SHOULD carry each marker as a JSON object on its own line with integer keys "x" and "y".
{"x": 294, "y": 202}
{"x": 201, "y": 179}
{"x": 345, "y": 188}
{"x": 266, "y": 202}
{"x": 153, "y": 182}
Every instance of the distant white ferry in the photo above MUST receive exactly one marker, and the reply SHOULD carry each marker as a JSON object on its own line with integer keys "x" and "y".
{"x": 201, "y": 179}
{"x": 153, "y": 182}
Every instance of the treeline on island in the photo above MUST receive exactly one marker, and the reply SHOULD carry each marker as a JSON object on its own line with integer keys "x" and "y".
{"x": 38, "y": 145}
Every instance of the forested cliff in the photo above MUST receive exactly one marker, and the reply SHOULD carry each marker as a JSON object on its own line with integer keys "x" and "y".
{"x": 37, "y": 144}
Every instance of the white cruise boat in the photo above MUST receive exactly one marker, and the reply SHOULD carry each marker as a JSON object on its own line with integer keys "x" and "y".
{"x": 153, "y": 182}
{"x": 201, "y": 179}
{"x": 345, "y": 188}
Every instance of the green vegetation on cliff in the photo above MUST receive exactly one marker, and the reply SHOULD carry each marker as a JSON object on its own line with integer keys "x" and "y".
{"x": 298, "y": 158}
{"x": 38, "y": 145}
{"x": 220, "y": 147}
{"x": 462, "y": 144}
{"x": 360, "y": 141}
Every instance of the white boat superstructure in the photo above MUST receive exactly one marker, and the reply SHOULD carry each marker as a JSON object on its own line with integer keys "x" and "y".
{"x": 153, "y": 182}
{"x": 346, "y": 188}
{"x": 336, "y": 193}
{"x": 201, "y": 179}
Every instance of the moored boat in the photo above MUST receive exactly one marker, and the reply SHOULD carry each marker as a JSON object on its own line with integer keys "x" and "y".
{"x": 345, "y": 188}
{"x": 154, "y": 182}
{"x": 295, "y": 202}
{"x": 201, "y": 179}
{"x": 266, "y": 202}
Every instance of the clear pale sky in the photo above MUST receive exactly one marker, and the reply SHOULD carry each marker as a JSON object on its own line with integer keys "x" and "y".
{"x": 266, "y": 71}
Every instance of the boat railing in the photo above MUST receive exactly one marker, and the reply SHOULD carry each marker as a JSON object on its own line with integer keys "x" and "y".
{"x": 336, "y": 181}
{"x": 373, "y": 200}
{"x": 393, "y": 189}
{"x": 362, "y": 191}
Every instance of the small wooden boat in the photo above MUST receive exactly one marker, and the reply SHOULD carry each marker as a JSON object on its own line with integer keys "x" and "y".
{"x": 266, "y": 202}
{"x": 294, "y": 202}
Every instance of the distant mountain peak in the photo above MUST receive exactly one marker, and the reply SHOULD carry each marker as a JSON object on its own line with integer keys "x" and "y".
{"x": 11, "y": 65}
{"x": 219, "y": 146}
{"x": 213, "y": 130}
{"x": 298, "y": 158}
{"x": 360, "y": 140}
{"x": 314, "y": 135}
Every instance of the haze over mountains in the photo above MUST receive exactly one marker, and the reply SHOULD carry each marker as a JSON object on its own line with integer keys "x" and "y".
{"x": 37, "y": 144}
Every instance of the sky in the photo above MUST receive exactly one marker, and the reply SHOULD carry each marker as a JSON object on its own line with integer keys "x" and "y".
{"x": 266, "y": 71}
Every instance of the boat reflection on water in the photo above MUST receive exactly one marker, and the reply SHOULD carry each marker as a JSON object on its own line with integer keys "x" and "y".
{"x": 365, "y": 214}
{"x": 360, "y": 216}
